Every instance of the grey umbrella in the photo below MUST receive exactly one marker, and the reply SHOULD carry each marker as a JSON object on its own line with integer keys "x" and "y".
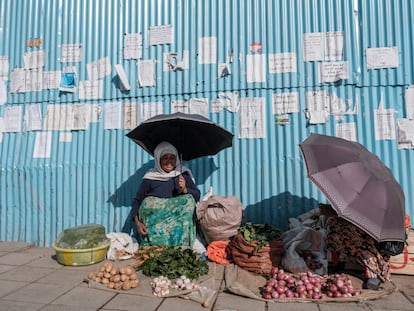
{"x": 358, "y": 185}
{"x": 193, "y": 135}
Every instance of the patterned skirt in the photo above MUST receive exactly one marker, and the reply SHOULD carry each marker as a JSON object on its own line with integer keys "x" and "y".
{"x": 169, "y": 221}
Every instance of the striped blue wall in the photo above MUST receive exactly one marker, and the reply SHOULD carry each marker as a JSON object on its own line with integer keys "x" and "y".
{"x": 93, "y": 178}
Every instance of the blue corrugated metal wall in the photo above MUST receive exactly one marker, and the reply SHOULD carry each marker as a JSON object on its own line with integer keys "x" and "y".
{"x": 93, "y": 177}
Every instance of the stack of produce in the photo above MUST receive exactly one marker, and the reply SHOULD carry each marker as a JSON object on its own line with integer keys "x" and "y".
{"x": 257, "y": 248}
{"x": 123, "y": 278}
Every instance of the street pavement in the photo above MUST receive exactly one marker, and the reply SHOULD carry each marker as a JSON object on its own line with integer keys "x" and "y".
{"x": 31, "y": 279}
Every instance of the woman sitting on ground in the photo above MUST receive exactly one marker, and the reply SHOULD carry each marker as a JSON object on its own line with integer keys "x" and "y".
{"x": 163, "y": 208}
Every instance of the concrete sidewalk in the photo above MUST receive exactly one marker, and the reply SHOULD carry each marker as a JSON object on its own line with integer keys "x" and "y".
{"x": 31, "y": 279}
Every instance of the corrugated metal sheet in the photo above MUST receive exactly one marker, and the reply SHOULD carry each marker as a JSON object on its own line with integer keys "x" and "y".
{"x": 93, "y": 177}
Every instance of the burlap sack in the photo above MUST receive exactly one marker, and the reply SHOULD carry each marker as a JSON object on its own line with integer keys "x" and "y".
{"x": 261, "y": 261}
{"x": 219, "y": 217}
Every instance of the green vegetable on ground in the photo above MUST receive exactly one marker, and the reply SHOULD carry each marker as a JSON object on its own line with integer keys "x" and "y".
{"x": 173, "y": 262}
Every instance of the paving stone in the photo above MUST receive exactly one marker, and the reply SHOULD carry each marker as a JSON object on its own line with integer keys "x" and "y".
{"x": 84, "y": 297}
{"x": 14, "y": 246}
{"x": 230, "y": 301}
{"x": 37, "y": 293}
{"x": 19, "y": 306}
{"x": 17, "y": 259}
{"x": 339, "y": 306}
{"x": 132, "y": 302}
{"x": 25, "y": 274}
{"x": 65, "y": 277}
{"x": 7, "y": 287}
{"x": 170, "y": 304}
{"x": 292, "y": 306}
{"x": 395, "y": 301}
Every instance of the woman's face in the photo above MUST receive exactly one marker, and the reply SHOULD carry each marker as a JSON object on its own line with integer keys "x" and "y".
{"x": 167, "y": 162}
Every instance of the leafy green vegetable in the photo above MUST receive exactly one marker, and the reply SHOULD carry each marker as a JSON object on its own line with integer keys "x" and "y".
{"x": 82, "y": 237}
{"x": 260, "y": 233}
{"x": 174, "y": 262}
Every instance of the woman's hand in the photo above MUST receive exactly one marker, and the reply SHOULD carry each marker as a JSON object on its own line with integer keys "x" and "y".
{"x": 141, "y": 227}
{"x": 181, "y": 184}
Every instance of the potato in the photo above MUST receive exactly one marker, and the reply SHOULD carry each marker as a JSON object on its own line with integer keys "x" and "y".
{"x": 98, "y": 280}
{"x": 105, "y": 281}
{"x": 134, "y": 283}
{"x": 116, "y": 278}
{"x": 100, "y": 274}
{"x": 108, "y": 267}
{"x": 114, "y": 271}
{"x": 126, "y": 285}
{"x": 122, "y": 270}
{"x": 128, "y": 271}
{"x": 124, "y": 277}
{"x": 111, "y": 285}
{"x": 107, "y": 275}
{"x": 133, "y": 276}
{"x": 91, "y": 275}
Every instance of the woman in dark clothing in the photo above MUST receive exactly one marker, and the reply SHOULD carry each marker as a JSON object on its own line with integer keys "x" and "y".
{"x": 163, "y": 207}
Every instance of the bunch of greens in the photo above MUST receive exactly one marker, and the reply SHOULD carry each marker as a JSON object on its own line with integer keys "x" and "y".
{"x": 174, "y": 262}
{"x": 260, "y": 233}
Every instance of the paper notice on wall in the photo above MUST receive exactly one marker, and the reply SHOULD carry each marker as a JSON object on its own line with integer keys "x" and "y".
{"x": 405, "y": 133}
{"x": 346, "y": 131}
{"x": 207, "y": 50}
{"x": 198, "y": 106}
{"x": 226, "y": 100}
{"x": 3, "y": 92}
{"x": 319, "y": 46}
{"x": 43, "y": 145}
{"x": 282, "y": 62}
{"x": 12, "y": 119}
{"x": 68, "y": 79}
{"x": 51, "y": 79}
{"x": 123, "y": 80}
{"x": 4, "y": 68}
{"x": 180, "y": 105}
{"x": 58, "y": 118}
{"x": 334, "y": 45}
{"x": 18, "y": 81}
{"x": 81, "y": 114}
{"x": 99, "y": 69}
{"x": 409, "y": 102}
{"x": 163, "y": 34}
{"x": 33, "y": 118}
{"x": 313, "y": 46}
{"x": 384, "y": 124}
{"x": 1, "y": 129}
{"x": 33, "y": 80}
{"x": 150, "y": 109}
{"x": 379, "y": 58}
{"x": 112, "y": 115}
{"x": 333, "y": 71}
{"x": 33, "y": 60}
{"x": 90, "y": 89}
{"x": 132, "y": 45}
{"x": 71, "y": 53}
{"x": 130, "y": 115}
{"x": 146, "y": 73}
{"x": 256, "y": 68}
{"x": 285, "y": 103}
{"x": 317, "y": 107}
{"x": 252, "y": 118}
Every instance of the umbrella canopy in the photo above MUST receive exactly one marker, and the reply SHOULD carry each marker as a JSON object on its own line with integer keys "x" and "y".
{"x": 358, "y": 185}
{"x": 193, "y": 135}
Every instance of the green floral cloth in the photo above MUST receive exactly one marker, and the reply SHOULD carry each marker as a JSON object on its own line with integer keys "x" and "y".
{"x": 169, "y": 221}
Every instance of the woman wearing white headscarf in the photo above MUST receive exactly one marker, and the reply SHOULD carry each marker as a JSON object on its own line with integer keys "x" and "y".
{"x": 163, "y": 207}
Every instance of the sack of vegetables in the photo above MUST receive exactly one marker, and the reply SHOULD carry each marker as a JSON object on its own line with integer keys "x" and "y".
{"x": 257, "y": 248}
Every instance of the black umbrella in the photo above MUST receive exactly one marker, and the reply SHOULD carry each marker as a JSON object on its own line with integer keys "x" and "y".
{"x": 193, "y": 135}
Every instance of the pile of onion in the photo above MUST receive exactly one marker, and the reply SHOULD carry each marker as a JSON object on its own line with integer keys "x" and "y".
{"x": 284, "y": 285}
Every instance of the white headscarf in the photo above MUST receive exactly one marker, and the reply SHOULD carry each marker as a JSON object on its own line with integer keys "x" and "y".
{"x": 157, "y": 173}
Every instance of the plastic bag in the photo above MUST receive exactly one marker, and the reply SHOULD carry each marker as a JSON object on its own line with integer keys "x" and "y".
{"x": 123, "y": 246}
{"x": 82, "y": 237}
